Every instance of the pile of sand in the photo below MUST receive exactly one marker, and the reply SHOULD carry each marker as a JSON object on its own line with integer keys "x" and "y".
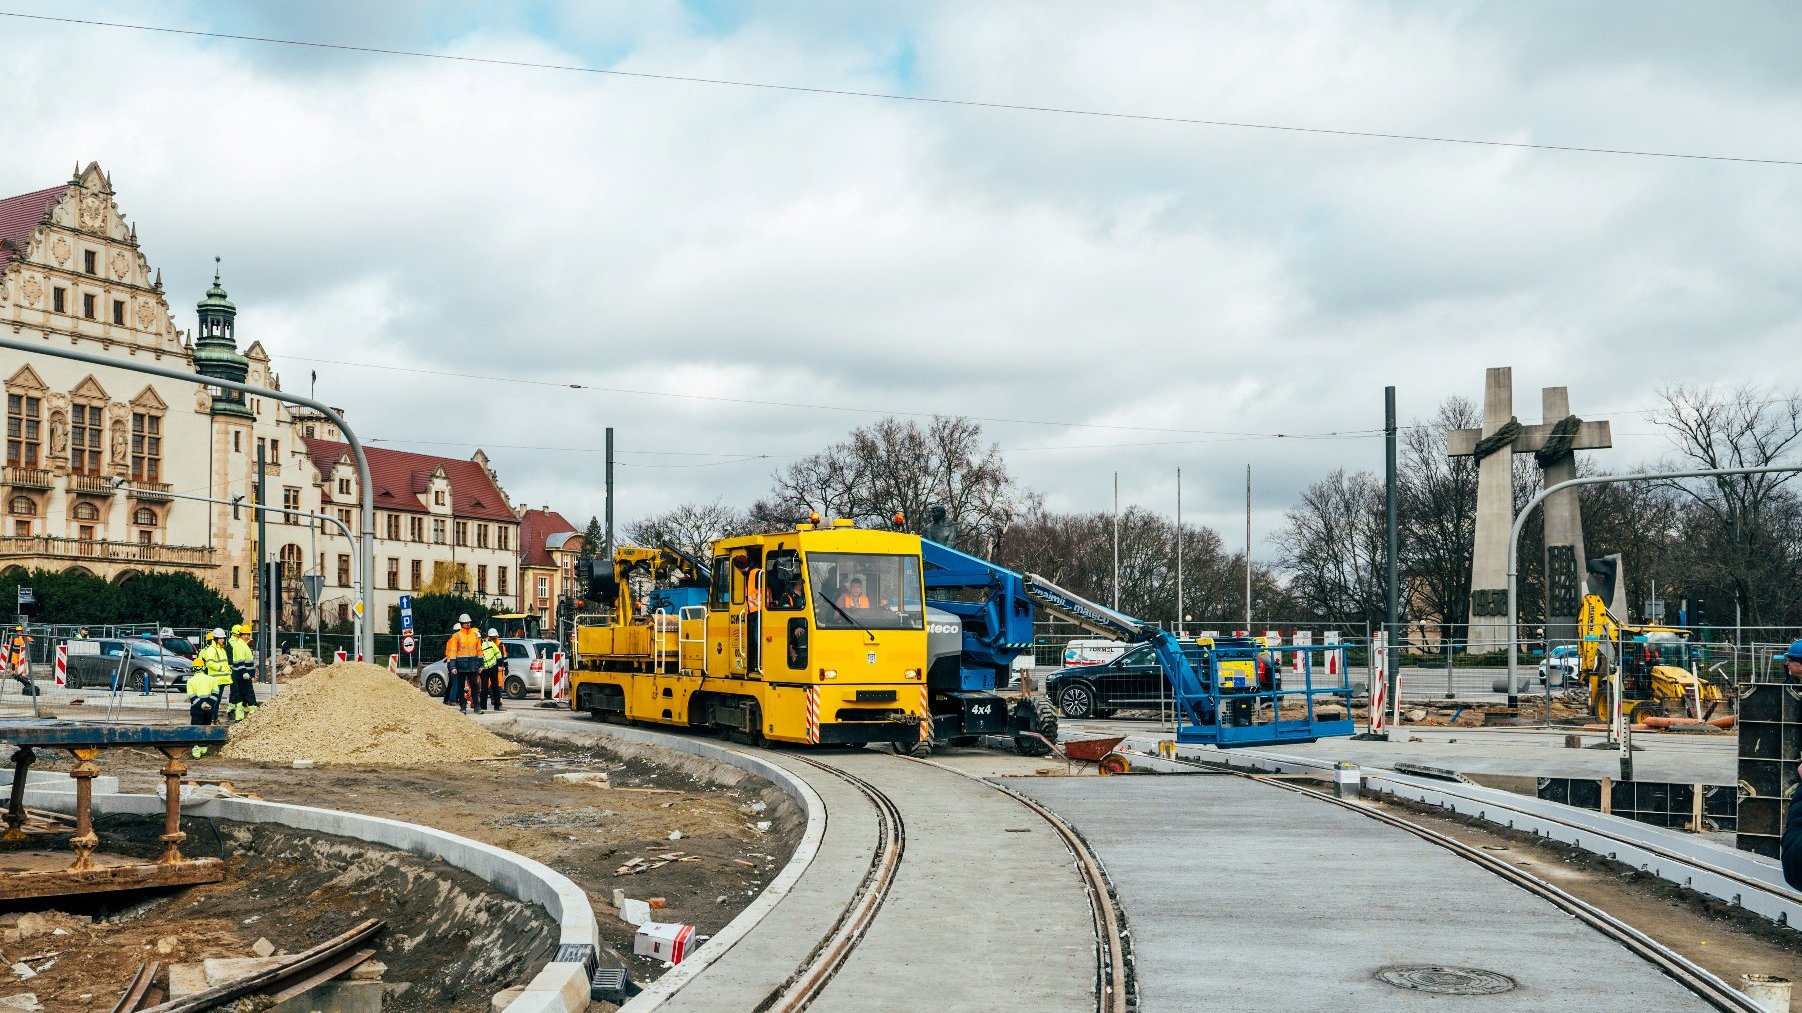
{"x": 353, "y": 713}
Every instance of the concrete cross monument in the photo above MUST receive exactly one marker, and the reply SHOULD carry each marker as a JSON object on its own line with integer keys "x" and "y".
{"x": 1552, "y": 443}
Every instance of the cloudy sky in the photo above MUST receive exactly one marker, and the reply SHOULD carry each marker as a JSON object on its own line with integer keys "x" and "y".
{"x": 738, "y": 276}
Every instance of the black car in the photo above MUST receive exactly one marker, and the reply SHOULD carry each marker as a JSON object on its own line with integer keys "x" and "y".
{"x": 1134, "y": 680}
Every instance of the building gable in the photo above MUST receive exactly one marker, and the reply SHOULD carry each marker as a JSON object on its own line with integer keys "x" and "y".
{"x": 27, "y": 378}
{"x": 89, "y": 389}
{"x": 148, "y": 400}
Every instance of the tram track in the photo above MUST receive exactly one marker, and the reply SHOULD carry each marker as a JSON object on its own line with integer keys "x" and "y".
{"x": 818, "y": 970}
{"x": 1691, "y": 975}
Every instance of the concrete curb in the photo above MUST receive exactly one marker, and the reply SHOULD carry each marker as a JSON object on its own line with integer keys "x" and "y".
{"x": 665, "y": 987}
{"x": 561, "y": 987}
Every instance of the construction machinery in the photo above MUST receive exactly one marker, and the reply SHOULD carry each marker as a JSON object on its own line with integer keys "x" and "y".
{"x": 1655, "y": 666}
{"x": 815, "y": 635}
{"x": 1220, "y": 692}
{"x": 980, "y": 617}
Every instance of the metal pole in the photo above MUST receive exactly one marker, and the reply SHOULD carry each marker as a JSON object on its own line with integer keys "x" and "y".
{"x": 1179, "y": 552}
{"x": 365, "y": 485}
{"x": 609, "y": 553}
{"x": 1116, "y": 541}
{"x": 265, "y": 592}
{"x": 1248, "y": 550}
{"x": 1392, "y": 566}
{"x": 1520, "y": 521}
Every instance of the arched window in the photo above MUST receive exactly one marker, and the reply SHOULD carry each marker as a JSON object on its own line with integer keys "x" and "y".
{"x": 144, "y": 517}
{"x": 22, "y": 506}
{"x": 87, "y": 512}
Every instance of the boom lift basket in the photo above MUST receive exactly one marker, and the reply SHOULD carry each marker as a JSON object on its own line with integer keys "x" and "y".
{"x": 1222, "y": 707}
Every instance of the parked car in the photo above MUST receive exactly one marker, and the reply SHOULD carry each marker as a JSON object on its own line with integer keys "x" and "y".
{"x": 528, "y": 669}
{"x": 173, "y": 644}
{"x": 1135, "y": 679}
{"x": 1563, "y": 660}
{"x": 145, "y": 664}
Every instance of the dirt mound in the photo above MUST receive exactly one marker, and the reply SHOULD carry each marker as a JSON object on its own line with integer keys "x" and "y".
{"x": 356, "y": 713}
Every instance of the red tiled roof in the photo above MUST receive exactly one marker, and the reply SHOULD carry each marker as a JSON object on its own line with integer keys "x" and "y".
{"x": 20, "y": 215}
{"x": 535, "y": 530}
{"x": 400, "y": 477}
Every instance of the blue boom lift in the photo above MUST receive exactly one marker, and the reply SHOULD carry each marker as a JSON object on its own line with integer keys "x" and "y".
{"x": 1218, "y": 697}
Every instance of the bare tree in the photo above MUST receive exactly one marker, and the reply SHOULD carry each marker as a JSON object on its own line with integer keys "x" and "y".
{"x": 1438, "y": 507}
{"x": 896, "y": 466}
{"x": 690, "y": 527}
{"x": 1743, "y": 524}
{"x": 1333, "y": 546}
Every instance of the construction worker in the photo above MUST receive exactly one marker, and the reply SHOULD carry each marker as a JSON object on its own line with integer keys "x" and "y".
{"x": 463, "y": 659}
{"x": 212, "y": 673}
{"x": 244, "y": 674}
{"x": 18, "y": 660}
{"x": 488, "y": 689}
{"x": 1792, "y": 827}
{"x": 853, "y": 597}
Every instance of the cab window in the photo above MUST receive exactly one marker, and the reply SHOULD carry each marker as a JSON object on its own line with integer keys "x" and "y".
{"x": 784, "y": 587}
{"x": 721, "y": 596}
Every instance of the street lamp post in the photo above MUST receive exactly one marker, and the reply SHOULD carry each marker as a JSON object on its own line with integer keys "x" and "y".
{"x": 366, "y": 488}
{"x": 238, "y": 501}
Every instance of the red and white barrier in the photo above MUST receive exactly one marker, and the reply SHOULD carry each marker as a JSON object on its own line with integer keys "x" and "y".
{"x": 62, "y": 664}
{"x": 1299, "y": 660}
{"x": 1332, "y": 654}
{"x": 1379, "y": 682}
{"x": 341, "y": 655}
{"x": 393, "y": 664}
{"x": 559, "y": 677}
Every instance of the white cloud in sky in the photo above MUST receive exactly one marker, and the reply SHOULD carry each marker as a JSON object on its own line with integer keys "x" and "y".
{"x": 808, "y": 249}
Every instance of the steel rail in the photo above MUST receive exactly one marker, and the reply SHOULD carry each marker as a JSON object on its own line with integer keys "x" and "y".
{"x": 1687, "y": 861}
{"x": 139, "y": 989}
{"x": 806, "y": 985}
{"x": 1698, "y": 979}
{"x": 275, "y": 979}
{"x": 1115, "y": 990}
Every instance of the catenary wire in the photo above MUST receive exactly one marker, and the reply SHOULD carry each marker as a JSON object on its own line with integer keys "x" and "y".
{"x": 920, "y": 99}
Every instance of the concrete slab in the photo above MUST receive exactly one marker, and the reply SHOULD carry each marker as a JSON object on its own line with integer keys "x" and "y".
{"x": 1526, "y": 752}
{"x": 987, "y": 911}
{"x": 1241, "y": 896}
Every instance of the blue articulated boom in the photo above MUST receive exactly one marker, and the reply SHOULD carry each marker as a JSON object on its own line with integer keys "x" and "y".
{"x": 968, "y": 686}
{"x": 1218, "y": 696}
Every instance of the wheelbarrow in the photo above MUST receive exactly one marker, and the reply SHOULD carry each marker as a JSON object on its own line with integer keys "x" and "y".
{"x": 1091, "y": 750}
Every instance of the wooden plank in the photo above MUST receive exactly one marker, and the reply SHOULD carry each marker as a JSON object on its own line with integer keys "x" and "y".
{"x": 108, "y": 877}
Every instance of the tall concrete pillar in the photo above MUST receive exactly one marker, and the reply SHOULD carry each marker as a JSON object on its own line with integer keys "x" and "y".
{"x": 1495, "y": 515}
{"x": 1565, "y": 565}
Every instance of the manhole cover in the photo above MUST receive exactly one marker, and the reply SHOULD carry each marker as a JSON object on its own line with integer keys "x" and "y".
{"x": 1446, "y": 980}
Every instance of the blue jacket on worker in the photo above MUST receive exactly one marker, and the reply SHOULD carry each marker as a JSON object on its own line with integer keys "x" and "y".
{"x": 1792, "y": 826}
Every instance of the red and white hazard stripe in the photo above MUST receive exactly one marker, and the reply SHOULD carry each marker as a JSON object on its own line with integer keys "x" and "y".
{"x": 62, "y": 664}
{"x": 813, "y": 714}
{"x": 925, "y": 714}
{"x": 341, "y": 655}
{"x": 393, "y": 664}
{"x": 559, "y": 677}
{"x": 1379, "y": 683}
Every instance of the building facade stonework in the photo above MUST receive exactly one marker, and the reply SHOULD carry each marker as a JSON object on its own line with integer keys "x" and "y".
{"x": 97, "y": 458}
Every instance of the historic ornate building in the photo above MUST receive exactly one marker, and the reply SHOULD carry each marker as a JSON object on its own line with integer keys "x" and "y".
{"x": 97, "y": 459}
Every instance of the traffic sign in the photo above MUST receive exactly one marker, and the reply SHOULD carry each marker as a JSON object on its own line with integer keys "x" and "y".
{"x": 407, "y": 643}
{"x": 358, "y": 608}
{"x": 406, "y": 616}
{"x": 406, "y": 604}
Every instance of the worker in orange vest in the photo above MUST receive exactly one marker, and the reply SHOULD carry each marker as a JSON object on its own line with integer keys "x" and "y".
{"x": 463, "y": 659}
{"x": 18, "y": 664}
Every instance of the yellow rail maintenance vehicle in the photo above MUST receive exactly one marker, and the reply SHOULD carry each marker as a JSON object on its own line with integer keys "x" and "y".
{"x": 811, "y": 636}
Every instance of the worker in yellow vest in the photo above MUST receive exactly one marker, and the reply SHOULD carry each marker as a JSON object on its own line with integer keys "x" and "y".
{"x": 212, "y": 673}
{"x": 488, "y": 688}
{"x": 243, "y": 674}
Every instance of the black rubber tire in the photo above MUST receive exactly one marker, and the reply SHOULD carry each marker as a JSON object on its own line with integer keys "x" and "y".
{"x": 1076, "y": 700}
{"x": 434, "y": 685}
{"x": 918, "y": 750}
{"x": 1044, "y": 722}
{"x": 515, "y": 687}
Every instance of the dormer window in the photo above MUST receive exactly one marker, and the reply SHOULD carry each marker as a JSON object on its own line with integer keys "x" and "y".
{"x": 438, "y": 498}
{"x": 344, "y": 487}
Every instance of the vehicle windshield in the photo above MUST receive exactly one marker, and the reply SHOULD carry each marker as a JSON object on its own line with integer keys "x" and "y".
{"x": 870, "y": 590}
{"x": 148, "y": 650}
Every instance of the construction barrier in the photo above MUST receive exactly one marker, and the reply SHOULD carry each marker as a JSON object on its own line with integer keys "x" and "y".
{"x": 62, "y": 664}
{"x": 393, "y": 664}
{"x": 559, "y": 677}
{"x": 1299, "y": 660}
{"x": 1332, "y": 656}
{"x": 1379, "y": 681}
{"x": 341, "y": 655}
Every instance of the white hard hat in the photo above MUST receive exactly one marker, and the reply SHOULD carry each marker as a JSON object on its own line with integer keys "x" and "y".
{"x": 218, "y": 633}
{"x": 493, "y": 632}
{"x": 463, "y": 619}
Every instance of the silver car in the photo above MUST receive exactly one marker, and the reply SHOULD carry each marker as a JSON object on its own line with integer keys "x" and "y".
{"x": 528, "y": 669}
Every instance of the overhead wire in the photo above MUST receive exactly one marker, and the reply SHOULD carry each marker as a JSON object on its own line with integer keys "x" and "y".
{"x": 935, "y": 100}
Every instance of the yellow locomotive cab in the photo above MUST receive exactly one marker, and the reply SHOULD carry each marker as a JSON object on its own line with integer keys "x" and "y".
{"x": 809, "y": 636}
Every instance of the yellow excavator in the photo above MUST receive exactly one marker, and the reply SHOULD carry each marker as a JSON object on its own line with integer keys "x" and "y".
{"x": 1654, "y": 663}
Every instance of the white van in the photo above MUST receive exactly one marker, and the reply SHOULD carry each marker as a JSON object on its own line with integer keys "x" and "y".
{"x": 1083, "y": 653}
